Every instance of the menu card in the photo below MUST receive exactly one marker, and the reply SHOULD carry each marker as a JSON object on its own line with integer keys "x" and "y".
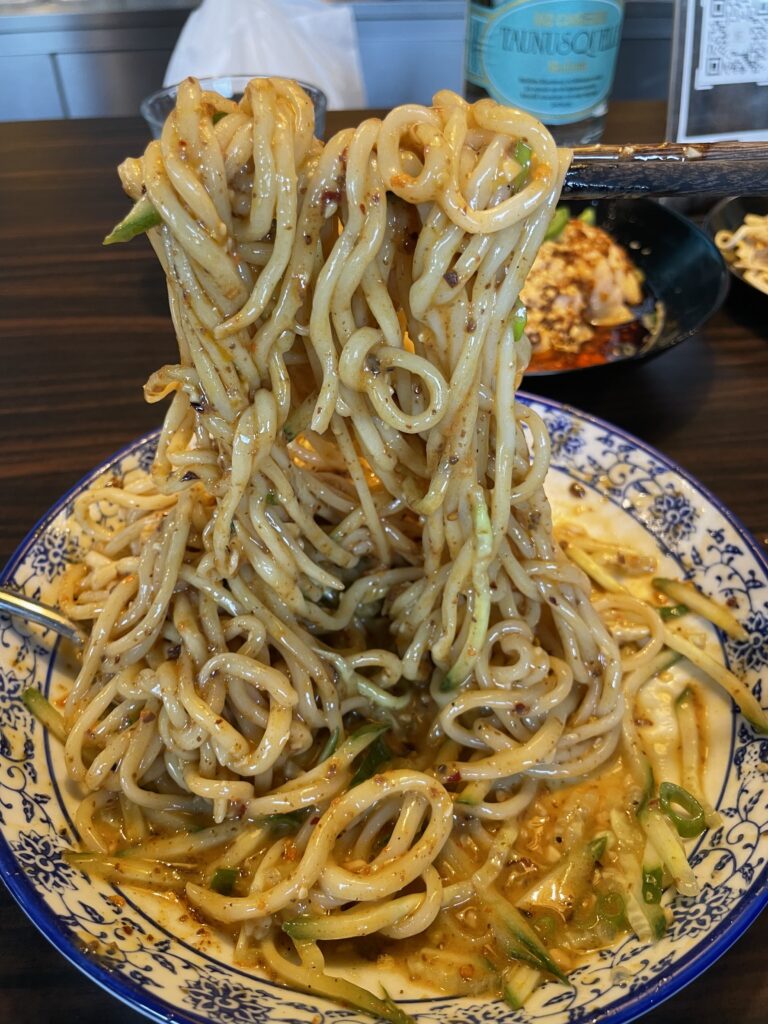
{"x": 719, "y": 80}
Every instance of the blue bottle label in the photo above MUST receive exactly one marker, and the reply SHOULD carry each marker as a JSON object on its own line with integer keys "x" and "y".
{"x": 553, "y": 58}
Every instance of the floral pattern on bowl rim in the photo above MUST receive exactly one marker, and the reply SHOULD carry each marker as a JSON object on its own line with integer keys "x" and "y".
{"x": 116, "y": 943}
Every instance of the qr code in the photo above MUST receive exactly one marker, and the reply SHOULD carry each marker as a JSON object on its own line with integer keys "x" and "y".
{"x": 734, "y": 43}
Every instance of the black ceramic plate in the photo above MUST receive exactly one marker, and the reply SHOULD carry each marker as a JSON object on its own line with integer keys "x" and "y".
{"x": 729, "y": 215}
{"x": 683, "y": 269}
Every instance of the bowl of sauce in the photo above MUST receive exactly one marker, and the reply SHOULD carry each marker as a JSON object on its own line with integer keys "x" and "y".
{"x": 622, "y": 280}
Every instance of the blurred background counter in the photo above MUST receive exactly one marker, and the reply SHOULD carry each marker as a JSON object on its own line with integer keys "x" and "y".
{"x": 99, "y": 58}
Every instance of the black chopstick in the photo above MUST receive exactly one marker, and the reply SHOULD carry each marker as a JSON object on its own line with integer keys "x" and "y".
{"x": 668, "y": 169}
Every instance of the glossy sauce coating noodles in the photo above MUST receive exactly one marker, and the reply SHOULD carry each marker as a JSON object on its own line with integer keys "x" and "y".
{"x": 335, "y": 609}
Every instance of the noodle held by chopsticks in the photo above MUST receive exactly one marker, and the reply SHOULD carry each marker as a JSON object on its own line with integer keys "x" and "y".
{"x": 335, "y": 608}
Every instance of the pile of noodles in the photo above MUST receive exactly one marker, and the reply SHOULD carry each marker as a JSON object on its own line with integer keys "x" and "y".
{"x": 344, "y": 528}
{"x": 746, "y": 249}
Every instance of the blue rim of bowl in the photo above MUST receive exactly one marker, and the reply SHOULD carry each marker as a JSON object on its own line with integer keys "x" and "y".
{"x": 654, "y": 992}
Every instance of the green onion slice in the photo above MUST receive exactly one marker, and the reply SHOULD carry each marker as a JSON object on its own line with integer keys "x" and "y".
{"x": 519, "y": 320}
{"x": 523, "y": 155}
{"x": 652, "y": 885}
{"x": 223, "y": 880}
{"x": 141, "y": 218}
{"x": 557, "y": 224}
{"x": 689, "y": 819}
{"x": 673, "y": 611}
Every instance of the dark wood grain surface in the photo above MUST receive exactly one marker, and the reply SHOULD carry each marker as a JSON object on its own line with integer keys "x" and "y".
{"x": 81, "y": 327}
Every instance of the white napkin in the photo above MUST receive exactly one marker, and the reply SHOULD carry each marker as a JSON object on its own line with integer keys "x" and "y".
{"x": 305, "y": 39}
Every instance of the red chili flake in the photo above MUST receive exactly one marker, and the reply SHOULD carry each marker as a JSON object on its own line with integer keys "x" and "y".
{"x": 330, "y": 196}
{"x": 520, "y": 707}
{"x": 147, "y": 716}
{"x": 239, "y": 809}
{"x": 732, "y": 602}
{"x": 453, "y": 778}
{"x": 315, "y": 820}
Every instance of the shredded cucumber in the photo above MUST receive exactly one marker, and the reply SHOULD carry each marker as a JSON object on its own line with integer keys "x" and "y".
{"x": 735, "y": 687}
{"x": 329, "y": 747}
{"x": 45, "y": 713}
{"x": 129, "y": 870}
{"x": 670, "y": 849}
{"x": 594, "y": 570}
{"x": 688, "y": 595}
{"x": 518, "y": 983}
{"x": 310, "y": 976}
{"x": 377, "y": 754}
{"x": 347, "y": 924}
{"x": 690, "y": 751}
{"x": 481, "y": 598}
{"x": 564, "y": 885}
{"x": 515, "y": 936}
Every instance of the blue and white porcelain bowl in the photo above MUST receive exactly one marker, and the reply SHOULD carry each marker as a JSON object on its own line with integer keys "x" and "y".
{"x": 147, "y": 951}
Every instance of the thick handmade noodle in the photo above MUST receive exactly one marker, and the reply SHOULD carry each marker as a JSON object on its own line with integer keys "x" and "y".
{"x": 344, "y": 525}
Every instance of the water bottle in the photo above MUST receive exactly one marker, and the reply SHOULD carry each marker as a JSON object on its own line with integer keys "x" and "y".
{"x": 552, "y": 58}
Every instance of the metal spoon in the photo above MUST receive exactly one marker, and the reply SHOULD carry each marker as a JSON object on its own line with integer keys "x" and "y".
{"x": 35, "y": 611}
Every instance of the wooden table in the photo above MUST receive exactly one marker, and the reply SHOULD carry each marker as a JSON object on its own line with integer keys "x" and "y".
{"x": 82, "y": 327}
